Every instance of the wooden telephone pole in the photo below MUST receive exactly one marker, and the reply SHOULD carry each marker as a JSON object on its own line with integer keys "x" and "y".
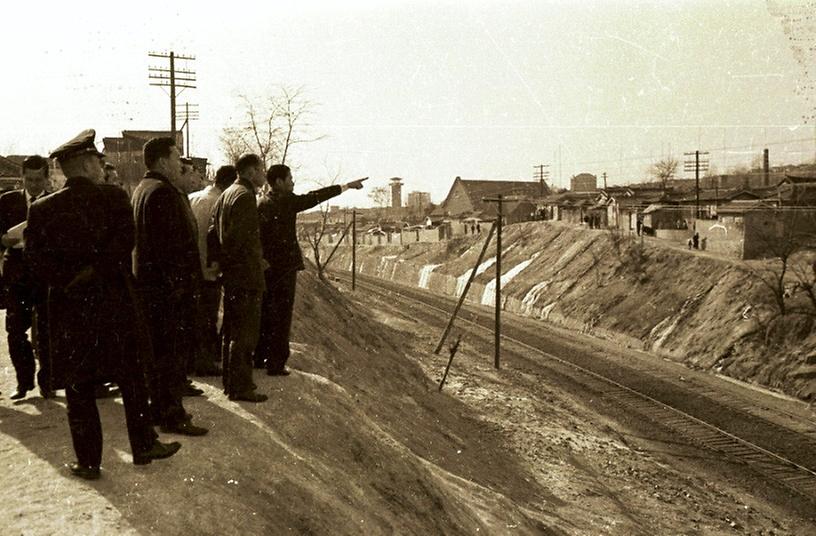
{"x": 176, "y": 79}
{"x": 499, "y": 200}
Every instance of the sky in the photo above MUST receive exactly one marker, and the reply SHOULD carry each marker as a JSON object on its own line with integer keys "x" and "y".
{"x": 426, "y": 91}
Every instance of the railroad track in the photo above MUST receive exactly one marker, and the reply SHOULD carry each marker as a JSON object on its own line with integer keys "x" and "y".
{"x": 721, "y": 424}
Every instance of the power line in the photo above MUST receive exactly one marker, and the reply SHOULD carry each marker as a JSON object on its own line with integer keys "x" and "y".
{"x": 696, "y": 165}
{"x": 541, "y": 174}
{"x": 188, "y": 115}
{"x": 173, "y": 78}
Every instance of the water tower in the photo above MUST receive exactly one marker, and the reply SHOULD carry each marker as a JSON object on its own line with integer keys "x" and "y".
{"x": 396, "y": 192}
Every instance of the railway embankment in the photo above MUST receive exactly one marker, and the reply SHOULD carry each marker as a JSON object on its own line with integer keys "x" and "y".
{"x": 707, "y": 312}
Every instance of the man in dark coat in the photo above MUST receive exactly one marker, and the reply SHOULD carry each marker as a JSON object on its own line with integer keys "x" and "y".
{"x": 26, "y": 298}
{"x": 78, "y": 242}
{"x": 234, "y": 233}
{"x": 168, "y": 271}
{"x": 277, "y": 215}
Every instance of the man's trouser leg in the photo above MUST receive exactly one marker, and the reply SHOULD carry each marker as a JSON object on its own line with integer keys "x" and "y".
{"x": 279, "y": 321}
{"x": 83, "y": 419}
{"x": 167, "y": 379}
{"x": 207, "y": 347}
{"x": 134, "y": 397}
{"x": 47, "y": 376}
{"x": 242, "y": 314}
{"x": 18, "y": 322}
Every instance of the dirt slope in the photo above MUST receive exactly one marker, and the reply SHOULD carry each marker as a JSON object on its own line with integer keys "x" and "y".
{"x": 707, "y": 312}
{"x": 355, "y": 441}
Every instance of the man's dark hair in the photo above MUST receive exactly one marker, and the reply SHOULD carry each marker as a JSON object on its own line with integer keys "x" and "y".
{"x": 277, "y": 172}
{"x": 156, "y": 148}
{"x": 225, "y": 176}
{"x": 247, "y": 161}
{"x": 36, "y": 162}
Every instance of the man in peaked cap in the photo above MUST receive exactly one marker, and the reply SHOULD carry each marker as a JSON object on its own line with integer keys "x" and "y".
{"x": 79, "y": 242}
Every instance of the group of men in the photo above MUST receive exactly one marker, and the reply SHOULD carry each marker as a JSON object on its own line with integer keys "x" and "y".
{"x": 128, "y": 289}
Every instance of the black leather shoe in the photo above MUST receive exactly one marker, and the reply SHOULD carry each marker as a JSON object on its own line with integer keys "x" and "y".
{"x": 184, "y": 428}
{"x": 282, "y": 372}
{"x": 158, "y": 451}
{"x": 250, "y": 396}
{"x": 88, "y": 472}
{"x": 21, "y": 392}
{"x": 190, "y": 390}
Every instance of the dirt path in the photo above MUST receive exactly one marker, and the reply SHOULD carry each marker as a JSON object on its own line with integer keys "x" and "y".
{"x": 353, "y": 442}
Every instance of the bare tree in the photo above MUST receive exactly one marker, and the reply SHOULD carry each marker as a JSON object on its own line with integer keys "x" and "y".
{"x": 664, "y": 169}
{"x": 380, "y": 197}
{"x": 784, "y": 235}
{"x": 314, "y": 233}
{"x": 270, "y": 126}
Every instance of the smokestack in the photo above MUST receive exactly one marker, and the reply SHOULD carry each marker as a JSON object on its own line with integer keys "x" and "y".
{"x": 766, "y": 168}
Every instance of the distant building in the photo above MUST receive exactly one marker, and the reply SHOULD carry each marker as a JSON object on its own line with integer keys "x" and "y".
{"x": 10, "y": 174}
{"x": 584, "y": 182}
{"x": 396, "y": 192}
{"x": 465, "y": 200}
{"x": 419, "y": 201}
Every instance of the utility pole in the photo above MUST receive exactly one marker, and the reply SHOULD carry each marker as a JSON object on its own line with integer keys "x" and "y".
{"x": 696, "y": 166}
{"x": 604, "y": 178}
{"x": 188, "y": 115}
{"x": 176, "y": 79}
{"x": 353, "y": 249}
{"x": 541, "y": 175}
{"x": 497, "y": 330}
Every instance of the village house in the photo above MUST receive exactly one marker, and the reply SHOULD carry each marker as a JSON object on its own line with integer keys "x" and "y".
{"x": 465, "y": 202}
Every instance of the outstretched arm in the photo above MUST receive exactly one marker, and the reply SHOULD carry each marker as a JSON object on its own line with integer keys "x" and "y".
{"x": 314, "y": 198}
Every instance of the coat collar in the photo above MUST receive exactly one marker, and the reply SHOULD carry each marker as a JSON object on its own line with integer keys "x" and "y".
{"x": 246, "y": 184}
{"x": 78, "y": 181}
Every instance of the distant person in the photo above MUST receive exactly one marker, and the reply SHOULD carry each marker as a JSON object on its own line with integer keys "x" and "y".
{"x": 190, "y": 180}
{"x": 695, "y": 240}
{"x": 703, "y": 243}
{"x": 478, "y": 228}
{"x": 111, "y": 175}
{"x": 234, "y": 231}
{"x": 209, "y": 295}
{"x": 167, "y": 267}
{"x": 277, "y": 217}
{"x": 26, "y": 306}
{"x": 79, "y": 242}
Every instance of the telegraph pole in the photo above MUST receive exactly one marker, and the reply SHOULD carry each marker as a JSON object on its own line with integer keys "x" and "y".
{"x": 176, "y": 79}
{"x": 497, "y": 331}
{"x": 353, "y": 249}
{"x": 541, "y": 175}
{"x": 189, "y": 112}
{"x": 696, "y": 166}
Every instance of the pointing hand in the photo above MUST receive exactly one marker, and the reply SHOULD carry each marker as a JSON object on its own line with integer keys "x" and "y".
{"x": 358, "y": 184}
